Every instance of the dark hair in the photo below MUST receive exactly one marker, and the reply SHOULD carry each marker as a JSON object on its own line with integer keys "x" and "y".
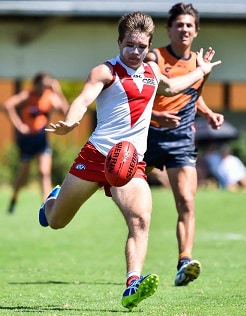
{"x": 183, "y": 9}
{"x": 136, "y": 22}
{"x": 39, "y": 77}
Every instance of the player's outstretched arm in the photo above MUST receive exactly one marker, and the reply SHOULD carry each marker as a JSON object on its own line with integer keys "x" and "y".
{"x": 173, "y": 86}
{"x": 205, "y": 61}
{"x": 98, "y": 77}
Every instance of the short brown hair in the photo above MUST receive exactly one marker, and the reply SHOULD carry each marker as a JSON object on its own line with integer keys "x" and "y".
{"x": 136, "y": 21}
{"x": 183, "y": 9}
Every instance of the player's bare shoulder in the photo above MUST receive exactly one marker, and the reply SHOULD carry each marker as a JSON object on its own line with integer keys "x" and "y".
{"x": 151, "y": 56}
{"x": 102, "y": 72}
{"x": 156, "y": 69}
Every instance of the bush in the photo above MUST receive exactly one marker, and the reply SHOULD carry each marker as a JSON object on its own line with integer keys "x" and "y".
{"x": 9, "y": 161}
{"x": 238, "y": 147}
{"x": 62, "y": 160}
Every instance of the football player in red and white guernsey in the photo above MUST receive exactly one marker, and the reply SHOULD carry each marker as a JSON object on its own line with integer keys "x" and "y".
{"x": 124, "y": 89}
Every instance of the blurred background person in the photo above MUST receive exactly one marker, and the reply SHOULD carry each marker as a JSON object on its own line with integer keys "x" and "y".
{"x": 230, "y": 171}
{"x": 29, "y": 112}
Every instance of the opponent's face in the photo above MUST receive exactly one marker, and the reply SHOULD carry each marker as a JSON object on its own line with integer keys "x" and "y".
{"x": 183, "y": 30}
{"x": 43, "y": 84}
{"x": 134, "y": 48}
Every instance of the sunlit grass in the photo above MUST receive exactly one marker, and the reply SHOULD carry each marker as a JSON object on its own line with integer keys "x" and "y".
{"x": 80, "y": 270}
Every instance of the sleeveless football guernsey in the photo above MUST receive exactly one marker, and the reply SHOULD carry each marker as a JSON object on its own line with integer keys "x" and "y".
{"x": 124, "y": 107}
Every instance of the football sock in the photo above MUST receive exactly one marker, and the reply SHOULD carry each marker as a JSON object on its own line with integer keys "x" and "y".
{"x": 183, "y": 258}
{"x": 130, "y": 276}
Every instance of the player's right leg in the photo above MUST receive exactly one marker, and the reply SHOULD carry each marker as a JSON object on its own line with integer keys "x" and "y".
{"x": 139, "y": 290}
{"x": 135, "y": 202}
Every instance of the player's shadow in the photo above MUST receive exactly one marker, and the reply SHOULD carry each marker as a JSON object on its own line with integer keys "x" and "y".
{"x": 42, "y": 309}
{"x": 37, "y": 309}
{"x": 74, "y": 311}
{"x": 65, "y": 282}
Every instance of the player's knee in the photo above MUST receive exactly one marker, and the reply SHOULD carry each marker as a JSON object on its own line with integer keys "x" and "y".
{"x": 56, "y": 223}
{"x": 186, "y": 201}
{"x": 142, "y": 221}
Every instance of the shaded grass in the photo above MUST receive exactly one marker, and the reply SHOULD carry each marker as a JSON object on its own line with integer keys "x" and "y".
{"x": 80, "y": 270}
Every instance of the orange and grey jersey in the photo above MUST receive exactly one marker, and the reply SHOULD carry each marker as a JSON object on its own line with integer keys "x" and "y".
{"x": 35, "y": 111}
{"x": 124, "y": 107}
{"x": 174, "y": 147}
{"x": 185, "y": 102}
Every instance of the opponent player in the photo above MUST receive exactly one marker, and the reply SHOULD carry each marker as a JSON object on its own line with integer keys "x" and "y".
{"x": 29, "y": 112}
{"x": 124, "y": 89}
{"x": 172, "y": 135}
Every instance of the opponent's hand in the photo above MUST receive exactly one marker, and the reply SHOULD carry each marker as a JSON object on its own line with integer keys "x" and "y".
{"x": 215, "y": 120}
{"x": 205, "y": 62}
{"x": 166, "y": 119}
{"x": 61, "y": 127}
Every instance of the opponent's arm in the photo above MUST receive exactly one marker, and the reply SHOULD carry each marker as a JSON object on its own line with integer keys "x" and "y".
{"x": 59, "y": 100}
{"x": 173, "y": 86}
{"x": 10, "y": 106}
{"x": 215, "y": 120}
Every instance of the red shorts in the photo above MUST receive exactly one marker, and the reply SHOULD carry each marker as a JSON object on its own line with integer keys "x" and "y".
{"x": 89, "y": 165}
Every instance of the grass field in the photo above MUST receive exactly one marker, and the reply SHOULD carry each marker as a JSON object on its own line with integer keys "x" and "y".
{"x": 80, "y": 270}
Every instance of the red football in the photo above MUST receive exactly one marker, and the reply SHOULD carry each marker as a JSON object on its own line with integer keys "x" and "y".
{"x": 121, "y": 163}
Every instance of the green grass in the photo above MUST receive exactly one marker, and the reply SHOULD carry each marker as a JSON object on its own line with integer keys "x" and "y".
{"x": 80, "y": 270}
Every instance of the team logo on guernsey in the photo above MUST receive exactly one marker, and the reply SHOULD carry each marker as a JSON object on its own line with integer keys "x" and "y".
{"x": 144, "y": 80}
{"x": 146, "y": 85}
{"x": 80, "y": 166}
{"x": 167, "y": 69}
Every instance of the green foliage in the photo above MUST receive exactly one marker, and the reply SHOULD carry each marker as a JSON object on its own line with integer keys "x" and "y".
{"x": 9, "y": 163}
{"x": 71, "y": 89}
{"x": 239, "y": 147}
{"x": 63, "y": 157}
{"x": 80, "y": 270}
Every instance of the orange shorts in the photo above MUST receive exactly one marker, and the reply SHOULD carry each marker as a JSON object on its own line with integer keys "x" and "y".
{"x": 89, "y": 165}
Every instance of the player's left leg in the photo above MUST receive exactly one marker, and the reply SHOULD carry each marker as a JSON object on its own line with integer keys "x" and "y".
{"x": 64, "y": 202}
{"x": 24, "y": 167}
{"x": 44, "y": 168}
{"x": 135, "y": 202}
{"x": 183, "y": 181}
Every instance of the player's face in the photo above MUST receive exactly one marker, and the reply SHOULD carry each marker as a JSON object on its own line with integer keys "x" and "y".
{"x": 183, "y": 31}
{"x": 134, "y": 48}
{"x": 43, "y": 84}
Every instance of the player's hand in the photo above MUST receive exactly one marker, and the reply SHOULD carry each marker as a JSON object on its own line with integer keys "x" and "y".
{"x": 215, "y": 120}
{"x": 166, "y": 119}
{"x": 205, "y": 62}
{"x": 61, "y": 127}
